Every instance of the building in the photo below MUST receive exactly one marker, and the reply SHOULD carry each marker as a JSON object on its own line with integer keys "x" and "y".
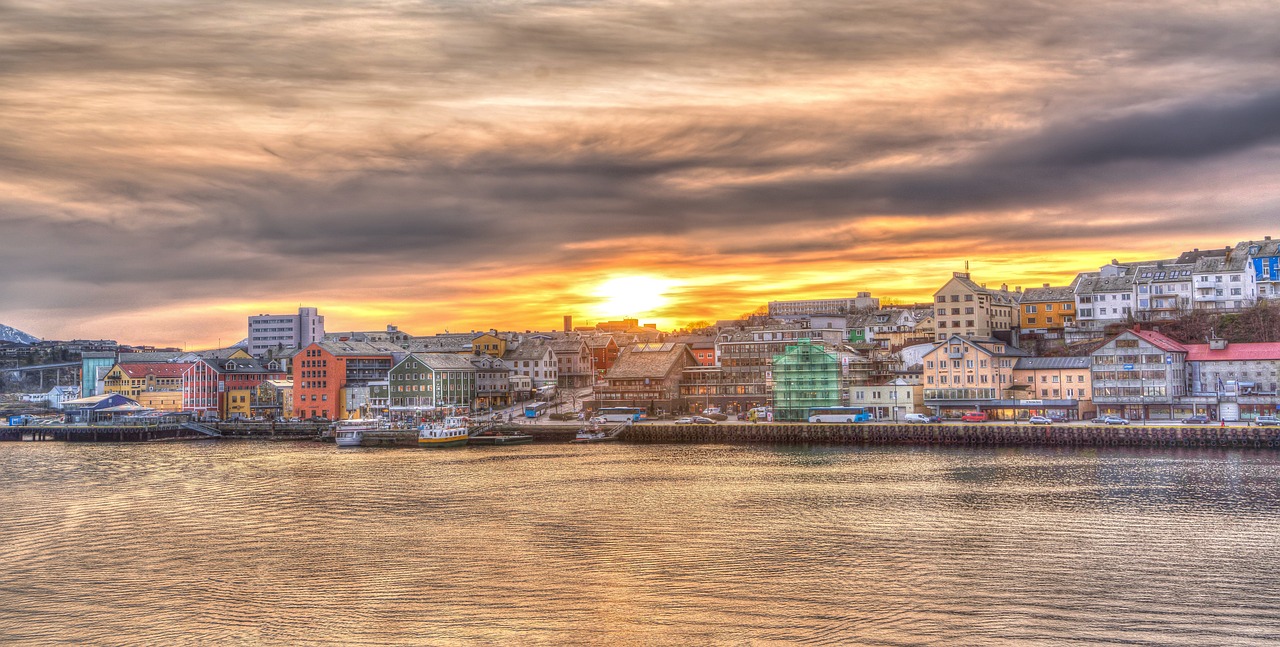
{"x": 429, "y": 381}
{"x": 604, "y": 352}
{"x": 962, "y": 307}
{"x": 798, "y": 309}
{"x": 131, "y": 379}
{"x": 273, "y": 399}
{"x": 493, "y": 382}
{"x": 1233, "y": 381}
{"x": 1047, "y": 309}
{"x": 1140, "y": 374}
{"x": 1228, "y": 282}
{"x": 1102, "y": 300}
{"x": 224, "y": 388}
{"x": 573, "y": 361}
{"x": 745, "y": 379}
{"x": 804, "y": 376}
{"x": 1057, "y": 387}
{"x": 646, "y": 376}
{"x": 170, "y": 401}
{"x": 93, "y": 369}
{"x": 324, "y": 369}
{"x": 1264, "y": 259}
{"x": 966, "y": 374}
{"x": 535, "y": 359}
{"x": 278, "y": 332}
{"x": 891, "y": 400}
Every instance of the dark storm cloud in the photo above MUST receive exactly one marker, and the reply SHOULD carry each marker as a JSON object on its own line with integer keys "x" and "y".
{"x": 250, "y": 143}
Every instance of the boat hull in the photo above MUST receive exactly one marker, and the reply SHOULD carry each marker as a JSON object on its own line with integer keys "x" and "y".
{"x": 440, "y": 443}
{"x": 501, "y": 440}
{"x": 352, "y": 440}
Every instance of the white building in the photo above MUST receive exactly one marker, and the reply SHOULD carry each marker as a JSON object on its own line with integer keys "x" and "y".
{"x": 791, "y": 309}
{"x": 270, "y": 332}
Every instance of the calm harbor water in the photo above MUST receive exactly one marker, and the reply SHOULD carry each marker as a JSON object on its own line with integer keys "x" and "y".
{"x": 300, "y": 543}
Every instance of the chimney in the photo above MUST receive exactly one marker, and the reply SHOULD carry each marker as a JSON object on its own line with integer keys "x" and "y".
{"x": 568, "y": 323}
{"x": 1017, "y": 288}
{"x": 1217, "y": 344}
{"x": 1046, "y": 285}
{"x": 1004, "y": 287}
{"x": 1266, "y": 238}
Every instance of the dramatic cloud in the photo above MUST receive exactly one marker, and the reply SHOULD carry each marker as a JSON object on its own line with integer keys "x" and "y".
{"x": 170, "y": 168}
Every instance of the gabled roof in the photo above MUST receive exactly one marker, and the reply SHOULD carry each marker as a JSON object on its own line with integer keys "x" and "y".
{"x": 238, "y": 366}
{"x": 1108, "y": 284}
{"x": 147, "y": 357}
{"x": 568, "y": 345}
{"x": 157, "y": 369}
{"x": 649, "y": 361}
{"x": 1051, "y": 363}
{"x": 1234, "y": 352}
{"x": 1002, "y": 297}
{"x": 1261, "y": 248}
{"x": 529, "y": 350}
{"x": 442, "y": 361}
{"x": 356, "y": 348}
{"x": 1158, "y": 340}
{"x": 1051, "y": 294}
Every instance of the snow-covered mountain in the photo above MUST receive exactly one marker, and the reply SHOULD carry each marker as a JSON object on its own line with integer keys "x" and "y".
{"x": 15, "y": 335}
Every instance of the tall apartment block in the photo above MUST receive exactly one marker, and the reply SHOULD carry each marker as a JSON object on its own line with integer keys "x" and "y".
{"x": 270, "y": 332}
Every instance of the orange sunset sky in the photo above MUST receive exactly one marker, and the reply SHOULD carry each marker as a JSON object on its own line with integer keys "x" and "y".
{"x": 171, "y": 168}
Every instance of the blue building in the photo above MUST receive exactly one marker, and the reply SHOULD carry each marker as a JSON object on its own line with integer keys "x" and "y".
{"x": 1264, "y": 257}
{"x": 93, "y": 367}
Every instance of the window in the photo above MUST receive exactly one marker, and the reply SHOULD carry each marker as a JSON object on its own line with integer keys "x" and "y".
{"x": 1031, "y": 309}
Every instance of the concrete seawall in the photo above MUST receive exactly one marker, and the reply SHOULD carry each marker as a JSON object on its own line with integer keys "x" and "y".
{"x": 951, "y": 434}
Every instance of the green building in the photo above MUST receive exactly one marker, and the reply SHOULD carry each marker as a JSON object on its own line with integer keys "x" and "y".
{"x": 804, "y": 376}
{"x": 425, "y": 381}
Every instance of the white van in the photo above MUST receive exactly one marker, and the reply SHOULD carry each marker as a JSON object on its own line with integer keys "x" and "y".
{"x": 918, "y": 417}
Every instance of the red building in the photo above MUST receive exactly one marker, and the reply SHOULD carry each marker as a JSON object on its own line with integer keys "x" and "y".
{"x": 222, "y": 388}
{"x": 324, "y": 371}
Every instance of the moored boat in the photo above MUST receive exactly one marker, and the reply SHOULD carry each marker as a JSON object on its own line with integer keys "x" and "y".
{"x": 500, "y": 438}
{"x": 592, "y": 434}
{"x": 349, "y": 433}
{"x": 450, "y": 432}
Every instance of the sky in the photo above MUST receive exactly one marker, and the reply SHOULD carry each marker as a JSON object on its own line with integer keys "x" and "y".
{"x": 169, "y": 168}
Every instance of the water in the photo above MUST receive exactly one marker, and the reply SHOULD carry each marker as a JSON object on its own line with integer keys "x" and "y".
{"x": 283, "y": 544}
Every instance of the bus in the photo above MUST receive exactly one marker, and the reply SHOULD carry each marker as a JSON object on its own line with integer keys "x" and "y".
{"x": 620, "y": 414}
{"x": 839, "y": 414}
{"x": 535, "y": 409}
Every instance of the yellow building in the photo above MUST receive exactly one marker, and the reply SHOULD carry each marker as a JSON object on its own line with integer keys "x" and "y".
{"x": 1047, "y": 309}
{"x": 161, "y": 400}
{"x": 132, "y": 379}
{"x": 489, "y": 344}
{"x": 274, "y": 398}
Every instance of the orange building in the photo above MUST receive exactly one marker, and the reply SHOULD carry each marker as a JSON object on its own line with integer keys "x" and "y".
{"x": 1047, "y": 309}
{"x": 324, "y": 369}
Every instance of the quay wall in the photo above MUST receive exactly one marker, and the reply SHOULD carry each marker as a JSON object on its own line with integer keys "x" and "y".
{"x": 951, "y": 434}
{"x": 98, "y": 434}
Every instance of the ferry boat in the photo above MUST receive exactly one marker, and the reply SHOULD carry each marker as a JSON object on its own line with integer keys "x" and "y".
{"x": 349, "y": 433}
{"x": 452, "y": 432}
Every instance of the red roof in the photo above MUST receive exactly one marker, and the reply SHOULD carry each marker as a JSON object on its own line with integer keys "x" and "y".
{"x": 1234, "y": 352}
{"x": 158, "y": 369}
{"x": 1160, "y": 341}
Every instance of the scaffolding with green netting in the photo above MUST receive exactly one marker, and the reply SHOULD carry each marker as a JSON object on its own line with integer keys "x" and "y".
{"x": 804, "y": 376}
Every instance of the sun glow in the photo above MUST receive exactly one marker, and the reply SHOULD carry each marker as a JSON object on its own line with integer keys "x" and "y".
{"x": 632, "y": 295}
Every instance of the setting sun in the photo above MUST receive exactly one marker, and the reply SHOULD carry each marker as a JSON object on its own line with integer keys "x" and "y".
{"x": 631, "y": 295}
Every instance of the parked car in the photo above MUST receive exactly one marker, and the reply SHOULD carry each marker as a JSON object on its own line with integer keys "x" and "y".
{"x": 1112, "y": 420}
{"x": 1040, "y": 420}
{"x": 687, "y": 420}
{"x": 703, "y": 420}
{"x": 921, "y": 417}
{"x": 974, "y": 416}
{"x": 1196, "y": 420}
{"x": 1266, "y": 421}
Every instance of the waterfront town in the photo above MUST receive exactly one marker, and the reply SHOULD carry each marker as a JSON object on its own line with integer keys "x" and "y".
{"x": 1193, "y": 335}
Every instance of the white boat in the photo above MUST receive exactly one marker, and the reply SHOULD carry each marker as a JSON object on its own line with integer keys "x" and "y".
{"x": 450, "y": 432}
{"x": 349, "y": 433}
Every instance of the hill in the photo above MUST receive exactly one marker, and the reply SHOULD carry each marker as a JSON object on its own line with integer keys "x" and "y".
{"x": 8, "y": 333}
